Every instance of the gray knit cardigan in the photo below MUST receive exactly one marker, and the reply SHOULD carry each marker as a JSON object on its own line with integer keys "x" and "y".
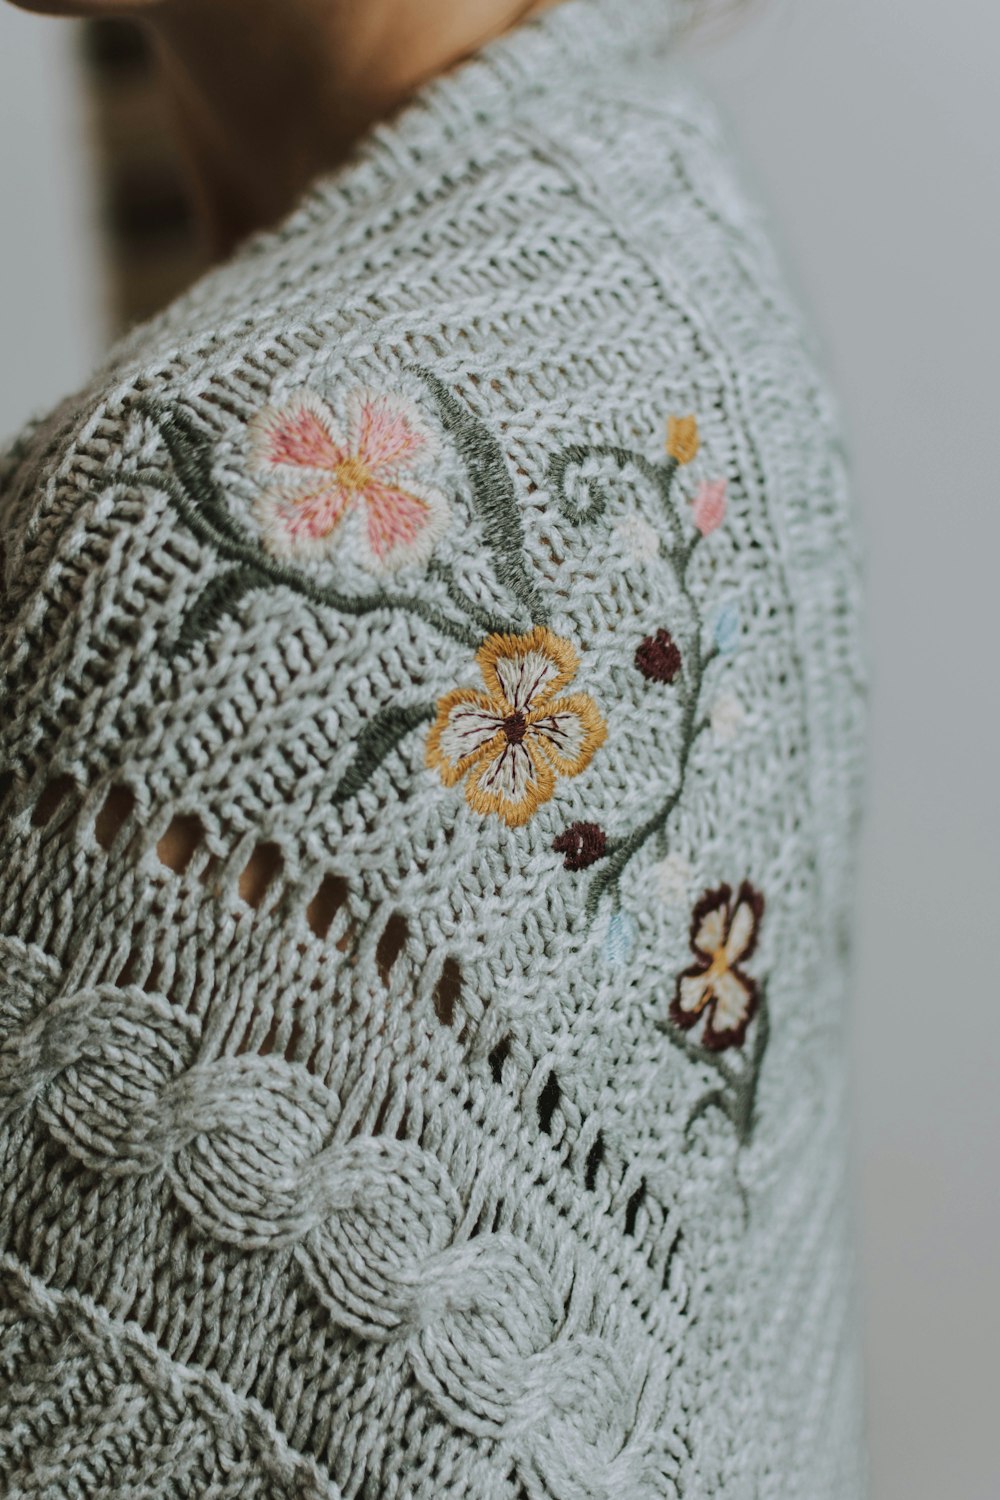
{"x": 430, "y": 745}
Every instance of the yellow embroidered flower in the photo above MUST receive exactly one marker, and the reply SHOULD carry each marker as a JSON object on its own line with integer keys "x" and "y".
{"x": 514, "y": 740}
{"x": 683, "y": 441}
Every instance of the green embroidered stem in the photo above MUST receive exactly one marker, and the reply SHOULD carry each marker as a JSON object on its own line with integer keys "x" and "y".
{"x": 736, "y": 1098}
{"x": 493, "y": 496}
{"x": 610, "y": 873}
{"x": 622, "y": 851}
{"x": 491, "y": 624}
{"x": 682, "y": 555}
{"x": 379, "y": 737}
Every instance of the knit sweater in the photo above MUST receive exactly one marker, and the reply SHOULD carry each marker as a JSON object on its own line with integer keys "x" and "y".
{"x": 430, "y": 756}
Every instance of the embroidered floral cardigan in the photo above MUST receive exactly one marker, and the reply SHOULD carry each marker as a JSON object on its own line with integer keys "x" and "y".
{"x": 430, "y": 757}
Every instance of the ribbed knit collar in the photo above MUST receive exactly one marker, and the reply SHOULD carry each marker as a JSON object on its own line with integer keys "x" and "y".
{"x": 554, "y": 49}
{"x": 552, "y": 54}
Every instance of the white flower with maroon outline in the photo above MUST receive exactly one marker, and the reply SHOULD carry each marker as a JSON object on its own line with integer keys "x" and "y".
{"x": 723, "y": 934}
{"x": 514, "y": 740}
{"x": 359, "y": 485}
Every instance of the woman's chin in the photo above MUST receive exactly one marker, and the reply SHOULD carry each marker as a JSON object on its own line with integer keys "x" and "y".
{"x": 81, "y": 8}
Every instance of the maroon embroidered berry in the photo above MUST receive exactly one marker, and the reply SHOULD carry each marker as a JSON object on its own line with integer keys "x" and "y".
{"x": 658, "y": 657}
{"x": 582, "y": 844}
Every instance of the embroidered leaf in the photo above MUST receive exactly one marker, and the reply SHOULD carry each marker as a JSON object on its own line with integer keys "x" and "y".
{"x": 220, "y": 597}
{"x": 379, "y": 737}
{"x": 200, "y": 498}
{"x": 493, "y": 495}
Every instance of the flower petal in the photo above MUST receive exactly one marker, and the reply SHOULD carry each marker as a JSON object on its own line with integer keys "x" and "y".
{"x": 693, "y": 992}
{"x": 568, "y": 731}
{"x": 620, "y": 938}
{"x": 727, "y": 629}
{"x": 522, "y": 668}
{"x": 402, "y": 525}
{"x": 511, "y": 783}
{"x": 683, "y": 440}
{"x": 389, "y": 433}
{"x": 726, "y": 717}
{"x": 732, "y": 1000}
{"x": 638, "y": 539}
{"x": 710, "y": 505}
{"x": 710, "y": 921}
{"x": 735, "y": 1005}
{"x": 742, "y": 936}
{"x": 672, "y": 876}
{"x": 301, "y": 522}
{"x": 467, "y": 722}
{"x": 302, "y": 433}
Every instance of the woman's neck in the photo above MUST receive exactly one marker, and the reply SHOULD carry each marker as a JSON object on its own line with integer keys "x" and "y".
{"x": 271, "y": 93}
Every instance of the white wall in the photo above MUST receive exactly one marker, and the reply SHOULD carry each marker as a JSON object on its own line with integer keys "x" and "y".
{"x": 873, "y": 126}
{"x": 50, "y": 305}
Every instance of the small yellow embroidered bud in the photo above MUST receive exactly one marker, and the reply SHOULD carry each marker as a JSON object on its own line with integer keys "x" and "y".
{"x": 682, "y": 438}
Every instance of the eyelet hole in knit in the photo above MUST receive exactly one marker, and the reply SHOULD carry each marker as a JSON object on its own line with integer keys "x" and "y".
{"x": 324, "y": 906}
{"x": 632, "y": 1208}
{"x": 7, "y": 779}
{"x": 151, "y": 983}
{"x": 176, "y": 847}
{"x": 447, "y": 992}
{"x": 272, "y": 1043}
{"x": 49, "y": 800}
{"x": 390, "y": 945}
{"x": 259, "y": 873}
{"x": 113, "y": 816}
{"x": 594, "y": 1158}
{"x": 498, "y": 1057}
{"x": 129, "y": 969}
{"x": 548, "y": 1101}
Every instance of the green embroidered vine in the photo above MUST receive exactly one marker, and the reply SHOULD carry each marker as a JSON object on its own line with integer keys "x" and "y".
{"x": 735, "y": 1094}
{"x": 678, "y": 548}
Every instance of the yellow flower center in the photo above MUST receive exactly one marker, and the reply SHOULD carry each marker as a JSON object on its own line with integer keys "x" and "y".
{"x": 719, "y": 964}
{"x": 353, "y": 474}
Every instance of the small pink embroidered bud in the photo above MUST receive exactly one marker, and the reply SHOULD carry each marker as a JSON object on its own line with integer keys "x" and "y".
{"x": 683, "y": 441}
{"x": 710, "y": 505}
{"x": 582, "y": 844}
{"x": 657, "y": 657}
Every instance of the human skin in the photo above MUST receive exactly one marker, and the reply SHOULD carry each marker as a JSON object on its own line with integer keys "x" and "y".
{"x": 268, "y": 94}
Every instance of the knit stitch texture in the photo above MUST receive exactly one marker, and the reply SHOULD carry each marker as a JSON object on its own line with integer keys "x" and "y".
{"x": 430, "y": 760}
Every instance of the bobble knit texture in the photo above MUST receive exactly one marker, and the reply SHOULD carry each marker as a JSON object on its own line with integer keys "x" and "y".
{"x": 430, "y": 741}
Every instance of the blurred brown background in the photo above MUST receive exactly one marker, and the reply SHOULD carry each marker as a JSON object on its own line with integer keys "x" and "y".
{"x": 146, "y": 216}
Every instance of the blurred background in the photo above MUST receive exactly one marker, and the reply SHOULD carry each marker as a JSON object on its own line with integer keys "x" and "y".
{"x": 871, "y": 127}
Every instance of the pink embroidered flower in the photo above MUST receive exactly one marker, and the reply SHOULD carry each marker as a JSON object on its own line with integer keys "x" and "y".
{"x": 512, "y": 741}
{"x": 723, "y": 934}
{"x": 710, "y": 505}
{"x": 361, "y": 488}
